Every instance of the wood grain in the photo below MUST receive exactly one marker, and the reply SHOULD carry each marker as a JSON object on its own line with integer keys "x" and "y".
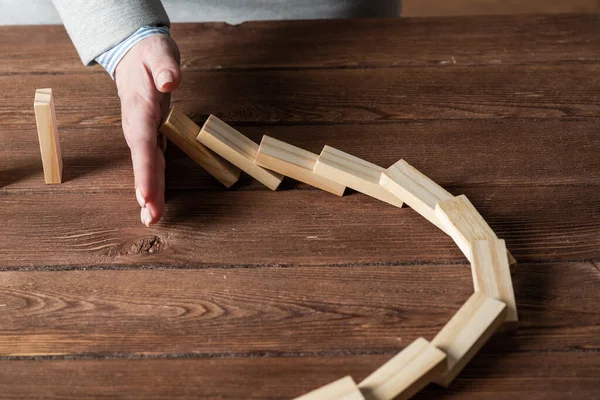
{"x": 424, "y": 8}
{"x": 278, "y": 310}
{"x": 261, "y": 227}
{"x": 96, "y": 156}
{"x": 549, "y": 375}
{"x": 502, "y": 109}
{"x": 444, "y": 42}
{"x": 324, "y": 96}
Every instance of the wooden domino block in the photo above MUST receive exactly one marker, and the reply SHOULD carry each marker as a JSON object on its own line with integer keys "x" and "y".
{"x": 237, "y": 149}
{"x": 468, "y": 330}
{"x": 294, "y": 162}
{"x": 491, "y": 276}
{"x": 415, "y": 189}
{"x": 45, "y": 118}
{"x": 354, "y": 173}
{"x": 406, "y": 373}
{"x": 182, "y": 131}
{"x": 342, "y": 389}
{"x": 464, "y": 224}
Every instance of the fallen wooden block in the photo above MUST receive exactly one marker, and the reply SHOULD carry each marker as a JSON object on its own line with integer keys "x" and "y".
{"x": 491, "y": 276}
{"x": 464, "y": 224}
{"x": 182, "y": 131}
{"x": 415, "y": 189}
{"x": 468, "y": 330}
{"x": 342, "y": 389}
{"x": 405, "y": 374}
{"x": 45, "y": 118}
{"x": 237, "y": 149}
{"x": 294, "y": 162}
{"x": 354, "y": 173}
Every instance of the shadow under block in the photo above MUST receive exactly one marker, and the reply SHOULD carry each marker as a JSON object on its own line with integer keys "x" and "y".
{"x": 415, "y": 189}
{"x": 464, "y": 224}
{"x": 491, "y": 276}
{"x": 45, "y": 118}
{"x": 342, "y": 389}
{"x": 406, "y": 373}
{"x": 237, "y": 149}
{"x": 182, "y": 131}
{"x": 354, "y": 173}
{"x": 466, "y": 333}
{"x": 294, "y": 162}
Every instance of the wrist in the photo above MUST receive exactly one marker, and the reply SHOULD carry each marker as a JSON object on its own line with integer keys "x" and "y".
{"x": 111, "y": 58}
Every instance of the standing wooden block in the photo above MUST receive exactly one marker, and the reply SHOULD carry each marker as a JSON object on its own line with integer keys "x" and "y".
{"x": 405, "y": 374}
{"x": 415, "y": 189}
{"x": 464, "y": 224}
{"x": 182, "y": 131}
{"x": 468, "y": 330}
{"x": 45, "y": 118}
{"x": 237, "y": 149}
{"x": 294, "y": 162}
{"x": 491, "y": 276}
{"x": 342, "y": 389}
{"x": 354, "y": 173}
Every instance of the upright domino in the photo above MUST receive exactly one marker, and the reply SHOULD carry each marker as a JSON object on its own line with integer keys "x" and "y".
{"x": 464, "y": 224}
{"x": 45, "y": 118}
{"x": 354, "y": 173}
{"x": 415, "y": 189}
{"x": 466, "y": 333}
{"x": 406, "y": 373}
{"x": 294, "y": 162}
{"x": 342, "y": 389}
{"x": 182, "y": 131}
{"x": 491, "y": 276}
{"x": 237, "y": 149}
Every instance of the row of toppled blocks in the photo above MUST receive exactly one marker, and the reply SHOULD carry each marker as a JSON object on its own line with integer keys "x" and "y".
{"x": 223, "y": 152}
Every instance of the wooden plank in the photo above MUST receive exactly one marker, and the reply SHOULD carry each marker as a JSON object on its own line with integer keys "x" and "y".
{"x": 517, "y": 375}
{"x": 182, "y": 131}
{"x": 256, "y": 311}
{"x": 466, "y": 333}
{"x": 415, "y": 188}
{"x": 491, "y": 276}
{"x": 353, "y": 172}
{"x": 429, "y": 8}
{"x": 313, "y": 96}
{"x": 464, "y": 224}
{"x": 406, "y": 373}
{"x": 342, "y": 389}
{"x": 255, "y": 227}
{"x": 489, "y": 40}
{"x": 294, "y": 162}
{"x": 97, "y": 155}
{"x": 45, "y": 118}
{"x": 237, "y": 149}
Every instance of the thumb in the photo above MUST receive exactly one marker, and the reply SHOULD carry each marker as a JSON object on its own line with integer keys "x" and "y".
{"x": 163, "y": 63}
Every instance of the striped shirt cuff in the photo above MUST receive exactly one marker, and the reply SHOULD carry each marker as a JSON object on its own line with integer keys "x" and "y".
{"x": 111, "y": 58}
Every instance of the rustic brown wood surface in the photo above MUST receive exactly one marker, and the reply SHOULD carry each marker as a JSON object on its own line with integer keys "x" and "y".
{"x": 248, "y": 293}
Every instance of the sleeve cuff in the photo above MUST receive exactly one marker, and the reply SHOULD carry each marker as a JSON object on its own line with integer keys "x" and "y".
{"x": 110, "y": 59}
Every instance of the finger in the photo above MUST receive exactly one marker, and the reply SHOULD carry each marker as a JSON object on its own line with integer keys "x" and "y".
{"x": 163, "y": 61}
{"x": 156, "y": 206}
{"x": 140, "y": 128}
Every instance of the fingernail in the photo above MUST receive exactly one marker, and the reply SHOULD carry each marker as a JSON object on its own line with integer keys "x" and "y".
{"x": 146, "y": 216}
{"x": 164, "y": 78}
{"x": 140, "y": 197}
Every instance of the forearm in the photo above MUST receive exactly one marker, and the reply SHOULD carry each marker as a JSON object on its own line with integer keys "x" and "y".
{"x": 96, "y": 26}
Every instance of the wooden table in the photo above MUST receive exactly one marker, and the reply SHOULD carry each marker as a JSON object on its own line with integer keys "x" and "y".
{"x": 248, "y": 293}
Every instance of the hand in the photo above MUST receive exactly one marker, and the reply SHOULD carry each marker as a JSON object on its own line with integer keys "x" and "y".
{"x": 144, "y": 77}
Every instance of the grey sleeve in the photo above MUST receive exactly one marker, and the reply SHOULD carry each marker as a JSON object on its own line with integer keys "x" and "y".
{"x": 96, "y": 26}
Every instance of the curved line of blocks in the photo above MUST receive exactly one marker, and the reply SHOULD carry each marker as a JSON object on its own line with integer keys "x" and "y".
{"x": 223, "y": 152}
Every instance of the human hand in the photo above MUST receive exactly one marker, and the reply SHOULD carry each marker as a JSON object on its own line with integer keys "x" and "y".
{"x": 144, "y": 78}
